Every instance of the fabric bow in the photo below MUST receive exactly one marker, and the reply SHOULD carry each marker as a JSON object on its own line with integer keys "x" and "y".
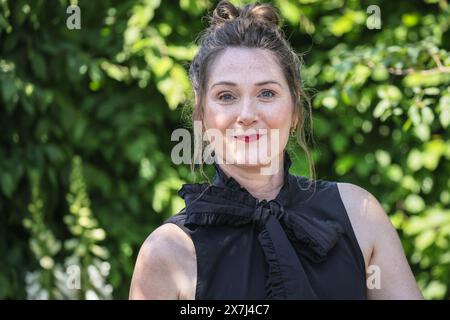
{"x": 278, "y": 230}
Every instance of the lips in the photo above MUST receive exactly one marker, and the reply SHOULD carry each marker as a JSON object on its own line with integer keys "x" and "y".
{"x": 248, "y": 138}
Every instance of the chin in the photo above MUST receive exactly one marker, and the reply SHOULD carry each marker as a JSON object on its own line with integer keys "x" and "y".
{"x": 252, "y": 159}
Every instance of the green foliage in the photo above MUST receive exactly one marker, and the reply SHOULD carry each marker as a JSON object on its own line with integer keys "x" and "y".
{"x": 85, "y": 169}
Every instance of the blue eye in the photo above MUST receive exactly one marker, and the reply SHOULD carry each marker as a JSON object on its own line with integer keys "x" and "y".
{"x": 271, "y": 94}
{"x": 225, "y": 95}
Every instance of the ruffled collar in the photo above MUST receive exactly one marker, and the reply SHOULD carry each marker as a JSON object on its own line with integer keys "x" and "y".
{"x": 221, "y": 179}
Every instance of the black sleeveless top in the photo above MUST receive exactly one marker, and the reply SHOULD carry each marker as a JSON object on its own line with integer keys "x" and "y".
{"x": 299, "y": 245}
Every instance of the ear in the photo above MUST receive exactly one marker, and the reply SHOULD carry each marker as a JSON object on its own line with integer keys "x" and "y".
{"x": 295, "y": 116}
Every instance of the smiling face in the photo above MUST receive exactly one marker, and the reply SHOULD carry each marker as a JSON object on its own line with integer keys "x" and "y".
{"x": 248, "y": 102}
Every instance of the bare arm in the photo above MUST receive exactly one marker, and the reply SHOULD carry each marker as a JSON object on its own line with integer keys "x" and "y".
{"x": 381, "y": 246}
{"x": 397, "y": 279}
{"x": 155, "y": 271}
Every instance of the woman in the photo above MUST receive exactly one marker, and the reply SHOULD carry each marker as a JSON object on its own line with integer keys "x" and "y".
{"x": 250, "y": 235}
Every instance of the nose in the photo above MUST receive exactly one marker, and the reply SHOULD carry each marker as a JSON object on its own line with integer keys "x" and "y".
{"x": 248, "y": 112}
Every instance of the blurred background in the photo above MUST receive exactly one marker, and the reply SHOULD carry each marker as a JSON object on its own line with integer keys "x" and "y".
{"x": 90, "y": 94}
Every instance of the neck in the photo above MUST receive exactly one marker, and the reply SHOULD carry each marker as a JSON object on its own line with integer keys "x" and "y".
{"x": 258, "y": 185}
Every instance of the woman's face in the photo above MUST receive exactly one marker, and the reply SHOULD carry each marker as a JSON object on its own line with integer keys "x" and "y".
{"x": 248, "y": 103}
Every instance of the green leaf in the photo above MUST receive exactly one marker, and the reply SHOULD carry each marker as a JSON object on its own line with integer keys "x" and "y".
{"x": 38, "y": 64}
{"x": 330, "y": 102}
{"x": 380, "y": 73}
{"x": 410, "y": 19}
{"x": 414, "y": 161}
{"x": 383, "y": 158}
{"x": 422, "y": 131}
{"x": 425, "y": 239}
{"x": 390, "y": 93}
{"x": 195, "y": 7}
{"x": 339, "y": 143}
{"x": 344, "y": 164}
{"x": 9, "y": 90}
{"x": 414, "y": 203}
{"x": 360, "y": 75}
{"x": 427, "y": 115}
{"x": 346, "y": 22}
{"x": 290, "y": 11}
{"x": 174, "y": 87}
{"x": 444, "y": 111}
{"x": 7, "y": 184}
{"x": 381, "y": 108}
{"x": 395, "y": 172}
{"x": 432, "y": 154}
{"x": 54, "y": 153}
{"x": 426, "y": 79}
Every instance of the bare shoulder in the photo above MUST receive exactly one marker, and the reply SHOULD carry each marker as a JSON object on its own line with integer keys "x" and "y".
{"x": 164, "y": 266}
{"x": 362, "y": 204}
{"x": 380, "y": 244}
{"x": 362, "y": 209}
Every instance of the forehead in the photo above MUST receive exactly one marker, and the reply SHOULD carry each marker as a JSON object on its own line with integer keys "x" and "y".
{"x": 245, "y": 65}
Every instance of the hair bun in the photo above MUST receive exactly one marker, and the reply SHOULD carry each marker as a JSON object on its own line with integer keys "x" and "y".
{"x": 224, "y": 11}
{"x": 262, "y": 13}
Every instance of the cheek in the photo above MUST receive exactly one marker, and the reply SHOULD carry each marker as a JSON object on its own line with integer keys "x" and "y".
{"x": 217, "y": 117}
{"x": 279, "y": 116}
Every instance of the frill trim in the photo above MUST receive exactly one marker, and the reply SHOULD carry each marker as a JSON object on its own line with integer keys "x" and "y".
{"x": 191, "y": 191}
{"x": 274, "y": 285}
{"x": 230, "y": 182}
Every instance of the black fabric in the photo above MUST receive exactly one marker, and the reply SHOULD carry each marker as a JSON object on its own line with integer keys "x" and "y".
{"x": 299, "y": 245}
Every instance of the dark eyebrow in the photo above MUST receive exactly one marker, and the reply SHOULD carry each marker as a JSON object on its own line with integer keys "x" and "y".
{"x": 269, "y": 81}
{"x": 228, "y": 83}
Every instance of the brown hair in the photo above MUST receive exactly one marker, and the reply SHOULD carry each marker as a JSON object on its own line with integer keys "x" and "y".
{"x": 254, "y": 26}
